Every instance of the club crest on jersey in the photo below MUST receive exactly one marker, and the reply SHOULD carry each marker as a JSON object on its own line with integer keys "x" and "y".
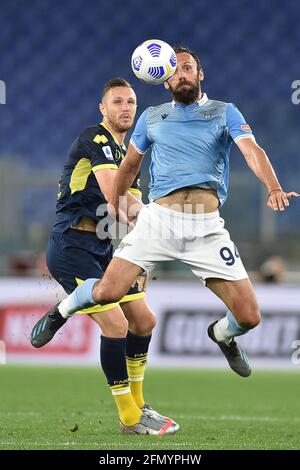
{"x": 107, "y": 152}
{"x": 246, "y": 128}
{"x": 206, "y": 115}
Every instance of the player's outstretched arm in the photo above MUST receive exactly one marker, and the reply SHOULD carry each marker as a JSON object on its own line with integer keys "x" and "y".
{"x": 125, "y": 176}
{"x": 105, "y": 178}
{"x": 259, "y": 163}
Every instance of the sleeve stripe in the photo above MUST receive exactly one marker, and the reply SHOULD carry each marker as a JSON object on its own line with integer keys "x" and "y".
{"x": 129, "y": 297}
{"x": 244, "y": 136}
{"x": 136, "y": 148}
{"x": 135, "y": 191}
{"x": 112, "y": 166}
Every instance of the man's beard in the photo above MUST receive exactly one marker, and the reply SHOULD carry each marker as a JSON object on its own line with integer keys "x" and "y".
{"x": 186, "y": 95}
{"x": 119, "y": 127}
{"x": 122, "y": 129}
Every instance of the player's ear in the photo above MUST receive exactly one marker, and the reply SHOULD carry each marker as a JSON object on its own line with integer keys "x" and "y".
{"x": 102, "y": 108}
{"x": 166, "y": 85}
{"x": 201, "y": 75}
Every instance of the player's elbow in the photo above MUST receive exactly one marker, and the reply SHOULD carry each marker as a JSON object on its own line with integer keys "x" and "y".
{"x": 257, "y": 153}
{"x": 256, "y": 161}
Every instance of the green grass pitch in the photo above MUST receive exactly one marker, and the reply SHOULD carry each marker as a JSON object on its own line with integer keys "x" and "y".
{"x": 72, "y": 408}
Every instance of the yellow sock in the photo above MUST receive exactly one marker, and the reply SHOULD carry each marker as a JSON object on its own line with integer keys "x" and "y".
{"x": 136, "y": 370}
{"x": 129, "y": 412}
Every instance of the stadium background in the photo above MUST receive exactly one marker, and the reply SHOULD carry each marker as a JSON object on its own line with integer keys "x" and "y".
{"x": 56, "y": 56}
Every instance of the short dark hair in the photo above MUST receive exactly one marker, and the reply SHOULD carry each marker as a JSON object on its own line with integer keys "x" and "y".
{"x": 181, "y": 49}
{"x": 113, "y": 83}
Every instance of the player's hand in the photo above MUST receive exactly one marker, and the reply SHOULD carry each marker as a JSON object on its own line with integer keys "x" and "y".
{"x": 119, "y": 215}
{"x": 279, "y": 200}
{"x": 141, "y": 282}
{"x": 113, "y": 210}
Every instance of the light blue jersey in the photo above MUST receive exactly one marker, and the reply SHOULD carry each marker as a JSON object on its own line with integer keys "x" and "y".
{"x": 190, "y": 145}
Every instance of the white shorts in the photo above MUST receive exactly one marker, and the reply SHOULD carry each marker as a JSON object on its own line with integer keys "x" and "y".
{"x": 198, "y": 240}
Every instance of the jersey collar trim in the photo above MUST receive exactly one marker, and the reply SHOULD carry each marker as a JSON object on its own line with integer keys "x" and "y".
{"x": 201, "y": 102}
{"x": 113, "y": 136}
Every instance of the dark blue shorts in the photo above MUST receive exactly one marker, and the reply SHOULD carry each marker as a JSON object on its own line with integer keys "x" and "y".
{"x": 75, "y": 255}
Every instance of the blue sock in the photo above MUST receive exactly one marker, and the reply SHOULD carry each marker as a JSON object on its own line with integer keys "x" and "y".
{"x": 234, "y": 326}
{"x": 80, "y": 298}
{"x": 227, "y": 328}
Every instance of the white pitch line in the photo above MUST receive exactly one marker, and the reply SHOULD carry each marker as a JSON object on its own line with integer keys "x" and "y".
{"x": 119, "y": 445}
{"x": 236, "y": 418}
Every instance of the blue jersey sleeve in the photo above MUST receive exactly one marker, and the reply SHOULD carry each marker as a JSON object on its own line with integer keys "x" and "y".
{"x": 139, "y": 138}
{"x": 236, "y": 124}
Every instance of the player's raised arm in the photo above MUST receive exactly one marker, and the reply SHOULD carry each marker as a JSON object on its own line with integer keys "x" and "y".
{"x": 125, "y": 176}
{"x": 131, "y": 164}
{"x": 260, "y": 164}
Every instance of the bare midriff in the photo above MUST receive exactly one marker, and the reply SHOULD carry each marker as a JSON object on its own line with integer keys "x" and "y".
{"x": 87, "y": 224}
{"x": 191, "y": 200}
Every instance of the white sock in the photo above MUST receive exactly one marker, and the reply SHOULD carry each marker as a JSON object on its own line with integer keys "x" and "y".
{"x": 64, "y": 308}
{"x": 221, "y": 331}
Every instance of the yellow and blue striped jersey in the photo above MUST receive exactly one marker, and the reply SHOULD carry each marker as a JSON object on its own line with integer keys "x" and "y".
{"x": 79, "y": 193}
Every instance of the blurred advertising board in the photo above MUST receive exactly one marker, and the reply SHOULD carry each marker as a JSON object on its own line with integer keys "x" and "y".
{"x": 184, "y": 310}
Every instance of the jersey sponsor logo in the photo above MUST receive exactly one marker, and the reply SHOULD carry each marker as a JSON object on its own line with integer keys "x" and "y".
{"x": 246, "y": 128}
{"x": 107, "y": 152}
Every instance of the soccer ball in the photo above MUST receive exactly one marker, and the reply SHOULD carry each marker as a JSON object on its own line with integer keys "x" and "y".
{"x": 154, "y": 61}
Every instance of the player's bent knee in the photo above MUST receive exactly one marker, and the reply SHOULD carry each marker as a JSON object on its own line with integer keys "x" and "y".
{"x": 145, "y": 325}
{"x": 251, "y": 320}
{"x": 151, "y": 321}
{"x": 103, "y": 295}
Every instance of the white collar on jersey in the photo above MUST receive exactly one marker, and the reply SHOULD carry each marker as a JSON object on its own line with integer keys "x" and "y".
{"x": 200, "y": 102}
{"x": 203, "y": 100}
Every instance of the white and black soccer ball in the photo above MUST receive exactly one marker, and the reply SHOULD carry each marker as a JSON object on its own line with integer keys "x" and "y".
{"x": 154, "y": 61}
